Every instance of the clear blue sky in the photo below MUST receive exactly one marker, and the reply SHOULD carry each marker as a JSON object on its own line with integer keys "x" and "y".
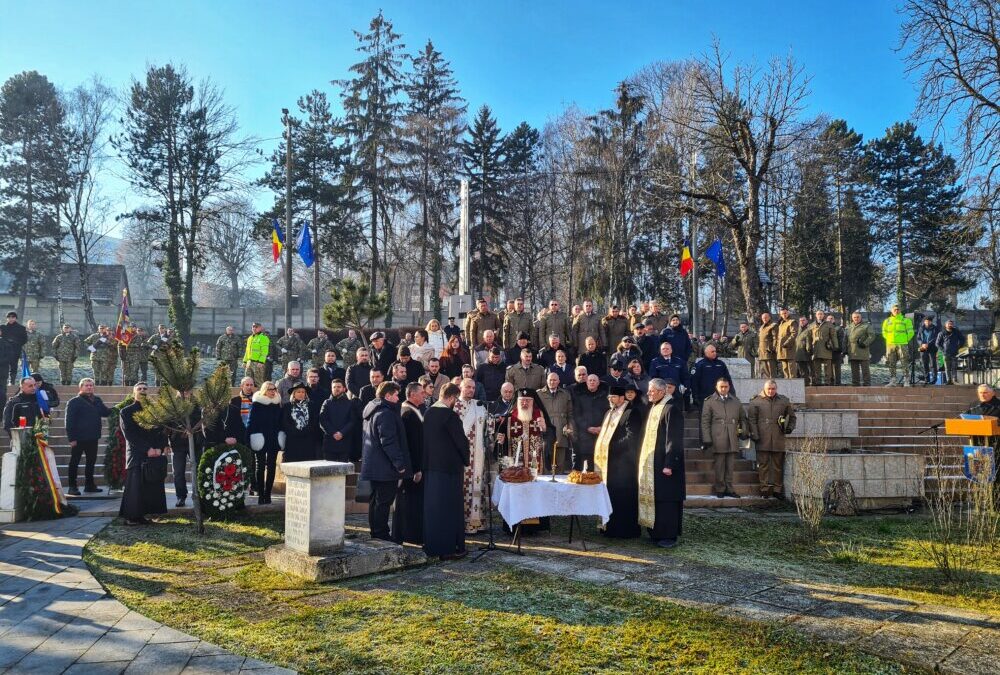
{"x": 527, "y": 60}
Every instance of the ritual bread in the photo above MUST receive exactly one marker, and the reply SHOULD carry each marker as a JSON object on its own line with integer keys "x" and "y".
{"x": 584, "y": 477}
{"x": 516, "y": 474}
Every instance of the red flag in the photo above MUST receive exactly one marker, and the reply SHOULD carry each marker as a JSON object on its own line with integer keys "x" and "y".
{"x": 124, "y": 330}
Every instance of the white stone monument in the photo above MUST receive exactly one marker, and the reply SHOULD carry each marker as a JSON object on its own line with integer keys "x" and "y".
{"x": 316, "y": 544}
{"x": 10, "y": 510}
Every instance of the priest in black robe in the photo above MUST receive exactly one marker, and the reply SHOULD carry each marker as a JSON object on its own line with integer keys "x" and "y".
{"x": 662, "y": 487}
{"x": 616, "y": 457}
{"x": 445, "y": 456}
{"x": 408, "y": 517}
{"x": 139, "y": 497}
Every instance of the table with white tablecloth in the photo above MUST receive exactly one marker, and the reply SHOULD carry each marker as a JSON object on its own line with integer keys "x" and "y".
{"x": 542, "y": 498}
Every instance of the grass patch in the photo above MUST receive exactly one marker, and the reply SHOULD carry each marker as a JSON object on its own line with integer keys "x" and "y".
{"x": 439, "y": 619}
{"x": 883, "y": 553}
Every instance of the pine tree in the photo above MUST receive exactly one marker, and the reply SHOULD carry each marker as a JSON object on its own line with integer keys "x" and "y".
{"x": 485, "y": 164}
{"x": 811, "y": 242}
{"x": 434, "y": 125}
{"x": 916, "y": 197}
{"x": 321, "y": 194}
{"x": 372, "y": 116}
{"x": 33, "y": 142}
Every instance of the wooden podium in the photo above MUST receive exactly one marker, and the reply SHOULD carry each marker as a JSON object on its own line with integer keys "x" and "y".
{"x": 987, "y": 426}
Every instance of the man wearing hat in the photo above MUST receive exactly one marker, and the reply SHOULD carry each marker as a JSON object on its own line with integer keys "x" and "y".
{"x": 516, "y": 323}
{"x": 66, "y": 347}
{"x": 380, "y": 353}
{"x": 255, "y": 353}
{"x": 662, "y": 484}
{"x": 897, "y": 330}
{"x": 616, "y": 460}
{"x": 616, "y": 372}
{"x": 13, "y": 337}
{"x": 526, "y": 430}
{"x": 512, "y": 354}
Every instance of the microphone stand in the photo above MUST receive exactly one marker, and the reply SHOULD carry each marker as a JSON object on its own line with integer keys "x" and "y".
{"x": 489, "y": 439}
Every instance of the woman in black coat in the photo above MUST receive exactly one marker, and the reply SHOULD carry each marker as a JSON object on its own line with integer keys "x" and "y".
{"x": 263, "y": 432}
{"x": 300, "y": 422}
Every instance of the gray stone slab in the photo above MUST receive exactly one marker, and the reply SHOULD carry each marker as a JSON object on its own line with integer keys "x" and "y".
{"x": 169, "y": 658}
{"x": 745, "y": 608}
{"x": 73, "y": 637}
{"x": 359, "y": 557}
{"x": 317, "y": 469}
{"x": 212, "y": 665}
{"x": 45, "y": 662}
{"x": 135, "y": 621}
{"x": 117, "y": 646}
{"x": 208, "y": 649}
{"x": 270, "y": 670}
{"x": 168, "y": 634}
{"x": 105, "y": 668}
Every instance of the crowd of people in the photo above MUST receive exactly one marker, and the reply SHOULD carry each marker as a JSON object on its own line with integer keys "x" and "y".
{"x": 433, "y": 418}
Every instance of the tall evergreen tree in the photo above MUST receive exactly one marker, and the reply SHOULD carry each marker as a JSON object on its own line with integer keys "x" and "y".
{"x": 180, "y": 149}
{"x": 434, "y": 125}
{"x": 521, "y": 192}
{"x": 485, "y": 164}
{"x": 916, "y": 197}
{"x": 33, "y": 142}
{"x": 811, "y": 241}
{"x": 321, "y": 193}
{"x": 372, "y": 116}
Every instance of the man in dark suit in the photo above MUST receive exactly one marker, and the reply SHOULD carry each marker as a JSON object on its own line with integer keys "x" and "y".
{"x": 339, "y": 424}
{"x": 330, "y": 371}
{"x": 408, "y": 517}
{"x": 446, "y": 454}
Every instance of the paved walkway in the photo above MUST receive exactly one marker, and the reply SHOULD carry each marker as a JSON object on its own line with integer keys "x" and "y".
{"x": 56, "y": 618}
{"x": 926, "y": 636}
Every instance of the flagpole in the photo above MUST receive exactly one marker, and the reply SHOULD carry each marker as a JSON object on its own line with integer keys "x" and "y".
{"x": 289, "y": 235}
{"x": 694, "y": 257}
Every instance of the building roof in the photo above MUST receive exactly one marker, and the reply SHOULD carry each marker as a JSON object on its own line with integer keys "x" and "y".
{"x": 106, "y": 283}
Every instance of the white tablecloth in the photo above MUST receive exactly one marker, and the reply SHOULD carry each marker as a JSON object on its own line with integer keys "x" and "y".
{"x": 541, "y": 497}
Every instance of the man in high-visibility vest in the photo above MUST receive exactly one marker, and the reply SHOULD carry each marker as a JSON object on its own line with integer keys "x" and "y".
{"x": 897, "y": 330}
{"x": 256, "y": 353}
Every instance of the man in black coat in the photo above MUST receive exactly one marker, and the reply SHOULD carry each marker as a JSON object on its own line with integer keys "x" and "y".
{"x": 446, "y": 454}
{"x": 385, "y": 458}
{"x": 358, "y": 374}
{"x": 616, "y": 457}
{"x": 330, "y": 371}
{"x": 13, "y": 337}
{"x": 382, "y": 354}
{"x": 662, "y": 488}
{"x": 594, "y": 360}
{"x": 50, "y": 392}
{"x": 589, "y": 406}
{"x": 367, "y": 393}
{"x": 492, "y": 374}
{"x": 338, "y": 422}
{"x": 707, "y": 372}
{"x": 236, "y": 416}
{"x": 23, "y": 404}
{"x": 85, "y": 415}
{"x": 141, "y": 498}
{"x": 314, "y": 386}
{"x": 408, "y": 516}
{"x": 414, "y": 369}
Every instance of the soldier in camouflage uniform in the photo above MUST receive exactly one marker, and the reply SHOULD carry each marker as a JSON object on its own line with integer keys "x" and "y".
{"x": 66, "y": 347}
{"x": 134, "y": 355}
{"x": 159, "y": 341}
{"x": 103, "y": 355}
{"x": 141, "y": 349}
{"x": 290, "y": 348}
{"x": 318, "y": 347}
{"x": 348, "y": 348}
{"x": 229, "y": 350}
{"x": 34, "y": 348}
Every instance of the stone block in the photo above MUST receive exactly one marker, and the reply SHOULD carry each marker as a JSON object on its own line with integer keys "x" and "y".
{"x": 314, "y": 505}
{"x": 874, "y": 467}
{"x": 739, "y": 369}
{"x": 852, "y": 467}
{"x": 895, "y": 466}
{"x": 359, "y": 556}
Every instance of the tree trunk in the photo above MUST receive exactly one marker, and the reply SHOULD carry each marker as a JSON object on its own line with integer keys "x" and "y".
{"x": 234, "y": 288}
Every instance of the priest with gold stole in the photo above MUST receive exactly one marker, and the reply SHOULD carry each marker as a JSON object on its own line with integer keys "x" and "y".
{"x": 662, "y": 487}
{"x": 616, "y": 460}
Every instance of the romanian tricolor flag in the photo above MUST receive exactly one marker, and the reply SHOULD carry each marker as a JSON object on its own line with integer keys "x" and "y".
{"x": 277, "y": 240}
{"x": 687, "y": 263}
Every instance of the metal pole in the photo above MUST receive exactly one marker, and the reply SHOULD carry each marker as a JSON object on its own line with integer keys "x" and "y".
{"x": 463, "y": 240}
{"x": 289, "y": 238}
{"x": 694, "y": 257}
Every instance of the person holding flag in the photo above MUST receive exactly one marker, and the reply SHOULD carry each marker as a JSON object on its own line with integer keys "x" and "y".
{"x": 125, "y": 333}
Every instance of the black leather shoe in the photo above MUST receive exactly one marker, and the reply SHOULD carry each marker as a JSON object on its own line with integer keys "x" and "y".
{"x": 181, "y": 502}
{"x": 73, "y": 492}
{"x": 667, "y": 543}
{"x": 91, "y": 489}
{"x": 720, "y": 495}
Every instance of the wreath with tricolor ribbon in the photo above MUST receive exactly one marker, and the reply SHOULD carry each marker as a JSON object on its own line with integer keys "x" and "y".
{"x": 223, "y": 480}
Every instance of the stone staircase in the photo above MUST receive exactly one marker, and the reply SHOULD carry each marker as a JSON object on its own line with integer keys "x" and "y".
{"x": 890, "y": 419}
{"x": 700, "y": 473}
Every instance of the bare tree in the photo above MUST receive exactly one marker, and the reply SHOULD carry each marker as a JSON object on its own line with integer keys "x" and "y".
{"x": 740, "y": 124}
{"x": 85, "y": 210}
{"x": 954, "y": 50}
{"x": 141, "y": 256}
{"x": 230, "y": 241}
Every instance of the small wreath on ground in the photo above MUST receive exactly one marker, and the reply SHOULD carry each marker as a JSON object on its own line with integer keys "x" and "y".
{"x": 223, "y": 480}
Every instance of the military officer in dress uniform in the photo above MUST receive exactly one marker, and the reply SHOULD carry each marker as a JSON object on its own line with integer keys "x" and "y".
{"x": 723, "y": 425}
